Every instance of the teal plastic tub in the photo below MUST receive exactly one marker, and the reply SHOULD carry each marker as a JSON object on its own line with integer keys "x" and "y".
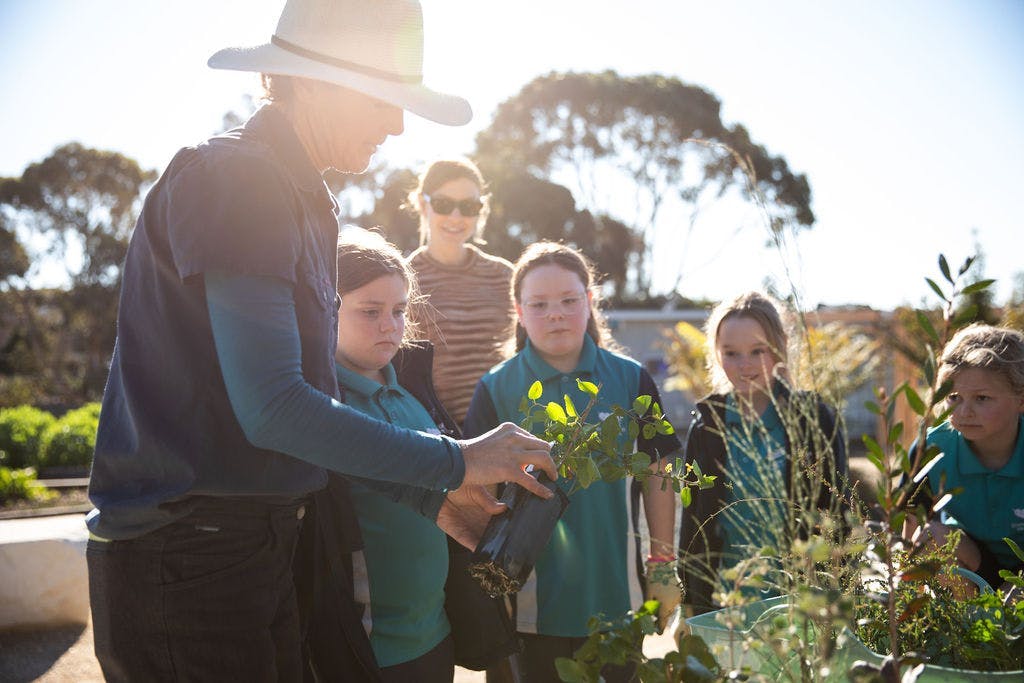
{"x": 726, "y": 632}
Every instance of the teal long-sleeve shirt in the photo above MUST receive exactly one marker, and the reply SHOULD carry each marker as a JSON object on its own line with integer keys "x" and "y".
{"x": 258, "y": 347}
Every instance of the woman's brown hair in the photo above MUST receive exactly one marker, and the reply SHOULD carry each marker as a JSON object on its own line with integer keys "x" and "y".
{"x": 437, "y": 174}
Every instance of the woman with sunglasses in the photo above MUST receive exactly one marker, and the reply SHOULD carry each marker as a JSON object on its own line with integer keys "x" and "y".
{"x": 466, "y": 310}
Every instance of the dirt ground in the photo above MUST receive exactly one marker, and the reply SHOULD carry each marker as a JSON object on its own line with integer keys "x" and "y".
{"x": 55, "y": 655}
{"x": 65, "y": 655}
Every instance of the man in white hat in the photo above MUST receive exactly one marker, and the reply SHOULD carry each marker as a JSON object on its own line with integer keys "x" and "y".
{"x": 219, "y": 416}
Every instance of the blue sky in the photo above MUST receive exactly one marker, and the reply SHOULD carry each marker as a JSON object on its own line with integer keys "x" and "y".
{"x": 906, "y": 116}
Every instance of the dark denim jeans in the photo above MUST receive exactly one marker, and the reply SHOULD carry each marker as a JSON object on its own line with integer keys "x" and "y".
{"x": 207, "y": 598}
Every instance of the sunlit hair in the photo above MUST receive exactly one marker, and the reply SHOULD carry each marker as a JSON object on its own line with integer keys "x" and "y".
{"x": 553, "y": 253}
{"x": 762, "y": 309}
{"x": 984, "y": 347}
{"x": 364, "y": 256}
{"x": 437, "y": 174}
{"x": 276, "y": 87}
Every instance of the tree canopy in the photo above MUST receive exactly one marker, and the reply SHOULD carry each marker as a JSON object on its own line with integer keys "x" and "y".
{"x": 645, "y": 140}
{"x": 74, "y": 211}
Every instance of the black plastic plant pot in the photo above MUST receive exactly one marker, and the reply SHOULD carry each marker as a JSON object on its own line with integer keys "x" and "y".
{"x": 513, "y": 540}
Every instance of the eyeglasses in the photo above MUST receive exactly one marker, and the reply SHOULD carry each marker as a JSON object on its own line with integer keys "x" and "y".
{"x": 445, "y": 205}
{"x": 569, "y": 305}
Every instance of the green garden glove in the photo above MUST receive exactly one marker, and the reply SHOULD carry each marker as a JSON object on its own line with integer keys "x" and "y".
{"x": 663, "y": 586}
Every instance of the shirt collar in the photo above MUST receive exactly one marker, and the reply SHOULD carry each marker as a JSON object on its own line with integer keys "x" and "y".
{"x": 769, "y": 418}
{"x": 543, "y": 371}
{"x": 273, "y": 127}
{"x": 365, "y": 387}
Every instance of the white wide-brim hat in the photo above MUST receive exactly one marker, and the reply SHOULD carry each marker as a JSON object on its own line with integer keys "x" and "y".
{"x": 372, "y": 46}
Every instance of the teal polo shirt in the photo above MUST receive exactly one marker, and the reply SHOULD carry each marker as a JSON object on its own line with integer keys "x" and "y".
{"x": 406, "y": 554}
{"x": 590, "y": 565}
{"x": 991, "y": 505}
{"x": 756, "y": 466}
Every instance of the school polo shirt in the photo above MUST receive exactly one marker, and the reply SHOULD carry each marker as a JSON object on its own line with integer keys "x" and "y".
{"x": 991, "y": 505}
{"x": 590, "y": 565}
{"x": 406, "y": 555}
{"x": 756, "y": 466}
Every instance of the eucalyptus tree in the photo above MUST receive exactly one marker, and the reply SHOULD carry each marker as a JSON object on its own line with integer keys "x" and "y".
{"x": 74, "y": 212}
{"x": 633, "y": 145}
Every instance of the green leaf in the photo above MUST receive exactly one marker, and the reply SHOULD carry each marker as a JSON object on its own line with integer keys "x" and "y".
{"x": 570, "y": 670}
{"x": 586, "y": 387}
{"x": 929, "y": 368}
{"x": 1015, "y": 548}
{"x": 944, "y": 267}
{"x": 966, "y": 265}
{"x": 921, "y": 572}
{"x": 685, "y": 496}
{"x": 925, "y": 324}
{"x": 610, "y": 429}
{"x": 524, "y": 406}
{"x": 555, "y": 413}
{"x": 872, "y": 408}
{"x": 639, "y": 463}
{"x": 935, "y": 288}
{"x": 641, "y": 404}
{"x": 665, "y": 427}
{"x": 978, "y": 286}
{"x": 872, "y": 446}
{"x": 913, "y": 607}
{"x": 969, "y": 313}
{"x": 916, "y": 404}
{"x": 587, "y": 473}
{"x": 649, "y": 431}
{"x": 536, "y": 389}
{"x": 876, "y": 461}
{"x": 634, "y": 430}
{"x": 570, "y": 408}
{"x": 895, "y": 432}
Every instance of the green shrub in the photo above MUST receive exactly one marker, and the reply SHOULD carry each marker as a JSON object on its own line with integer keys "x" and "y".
{"x": 21, "y": 429}
{"x": 21, "y": 484}
{"x": 69, "y": 442}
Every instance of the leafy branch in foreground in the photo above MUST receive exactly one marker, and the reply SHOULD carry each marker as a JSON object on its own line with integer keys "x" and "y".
{"x": 584, "y": 452}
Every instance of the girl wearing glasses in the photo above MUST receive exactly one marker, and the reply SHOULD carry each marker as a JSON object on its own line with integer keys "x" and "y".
{"x": 466, "y": 311}
{"x": 590, "y": 566}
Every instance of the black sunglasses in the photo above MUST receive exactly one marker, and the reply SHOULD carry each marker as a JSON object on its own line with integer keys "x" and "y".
{"x": 445, "y": 205}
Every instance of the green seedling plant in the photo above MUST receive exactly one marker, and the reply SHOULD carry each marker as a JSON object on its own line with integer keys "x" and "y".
{"x": 618, "y": 643}
{"x": 586, "y": 452}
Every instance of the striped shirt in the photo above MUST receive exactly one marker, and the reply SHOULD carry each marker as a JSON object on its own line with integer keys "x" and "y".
{"x": 467, "y": 313}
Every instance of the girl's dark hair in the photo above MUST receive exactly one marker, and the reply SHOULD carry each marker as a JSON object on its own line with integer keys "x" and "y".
{"x": 364, "y": 256}
{"x": 563, "y": 256}
{"x": 437, "y": 174}
{"x": 984, "y": 347}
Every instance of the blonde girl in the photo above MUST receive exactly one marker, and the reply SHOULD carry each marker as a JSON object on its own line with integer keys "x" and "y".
{"x": 748, "y": 433}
